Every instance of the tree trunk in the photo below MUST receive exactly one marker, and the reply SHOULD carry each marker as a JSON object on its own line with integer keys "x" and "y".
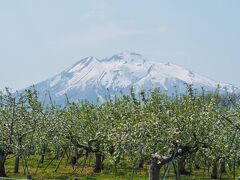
{"x": 99, "y": 162}
{"x": 17, "y": 159}
{"x": 58, "y": 155}
{"x": 154, "y": 171}
{"x": 42, "y": 158}
{"x": 181, "y": 166}
{"x": 29, "y": 177}
{"x": 73, "y": 161}
{"x": 2, "y": 165}
{"x": 209, "y": 166}
{"x": 141, "y": 163}
{"x": 16, "y": 165}
{"x": 214, "y": 170}
{"x": 223, "y": 166}
{"x": 197, "y": 166}
{"x": 43, "y": 154}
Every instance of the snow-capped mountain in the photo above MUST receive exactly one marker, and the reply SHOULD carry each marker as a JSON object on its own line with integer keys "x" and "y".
{"x": 94, "y": 79}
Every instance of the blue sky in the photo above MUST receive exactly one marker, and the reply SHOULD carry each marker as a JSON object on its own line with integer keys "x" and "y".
{"x": 41, "y": 38}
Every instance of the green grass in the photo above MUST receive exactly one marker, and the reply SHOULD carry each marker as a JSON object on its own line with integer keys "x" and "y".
{"x": 120, "y": 172}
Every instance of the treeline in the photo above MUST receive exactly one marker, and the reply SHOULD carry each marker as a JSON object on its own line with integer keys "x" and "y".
{"x": 149, "y": 129}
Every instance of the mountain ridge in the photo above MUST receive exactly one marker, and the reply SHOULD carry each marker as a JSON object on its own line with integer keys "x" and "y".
{"x": 93, "y": 79}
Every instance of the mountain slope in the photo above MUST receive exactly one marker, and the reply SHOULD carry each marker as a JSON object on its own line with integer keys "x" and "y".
{"x": 92, "y": 78}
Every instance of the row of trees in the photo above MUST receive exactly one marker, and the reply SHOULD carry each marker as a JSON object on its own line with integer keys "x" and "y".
{"x": 147, "y": 128}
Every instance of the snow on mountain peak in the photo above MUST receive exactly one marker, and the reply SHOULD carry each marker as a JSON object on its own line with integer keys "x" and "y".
{"x": 82, "y": 63}
{"x": 91, "y": 78}
{"x": 126, "y": 56}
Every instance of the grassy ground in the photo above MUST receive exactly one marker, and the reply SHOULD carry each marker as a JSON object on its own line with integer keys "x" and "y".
{"x": 121, "y": 172}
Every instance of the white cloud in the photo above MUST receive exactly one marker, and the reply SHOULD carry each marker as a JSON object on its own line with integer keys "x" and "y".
{"x": 109, "y": 32}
